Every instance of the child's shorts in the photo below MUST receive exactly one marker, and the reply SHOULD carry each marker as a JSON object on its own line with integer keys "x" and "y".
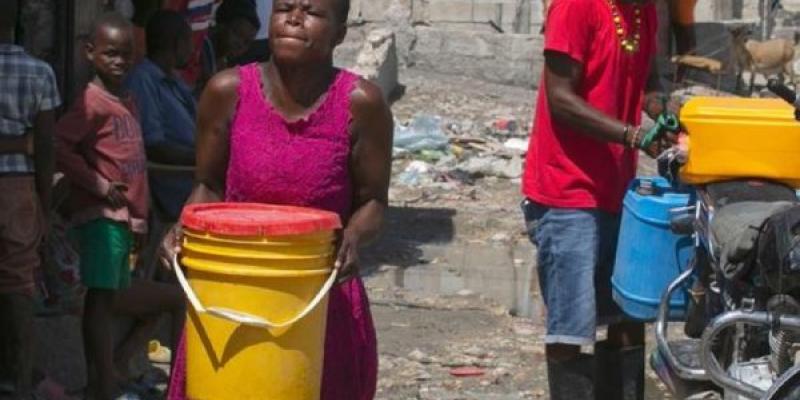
{"x": 105, "y": 248}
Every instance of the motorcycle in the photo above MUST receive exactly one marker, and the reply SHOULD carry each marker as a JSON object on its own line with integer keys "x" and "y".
{"x": 742, "y": 326}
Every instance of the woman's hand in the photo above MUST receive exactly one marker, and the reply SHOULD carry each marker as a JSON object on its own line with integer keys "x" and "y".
{"x": 170, "y": 246}
{"x": 347, "y": 256}
{"x": 371, "y": 167}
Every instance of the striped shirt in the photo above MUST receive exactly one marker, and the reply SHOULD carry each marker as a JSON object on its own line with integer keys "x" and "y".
{"x": 27, "y": 87}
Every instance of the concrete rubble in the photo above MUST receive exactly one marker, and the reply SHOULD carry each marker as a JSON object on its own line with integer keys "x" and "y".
{"x": 447, "y": 37}
{"x": 377, "y": 61}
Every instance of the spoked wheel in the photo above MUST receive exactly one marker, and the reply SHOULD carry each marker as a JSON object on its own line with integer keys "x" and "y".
{"x": 787, "y": 387}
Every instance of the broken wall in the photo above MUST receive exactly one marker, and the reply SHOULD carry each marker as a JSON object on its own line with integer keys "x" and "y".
{"x": 457, "y": 14}
{"x": 425, "y": 41}
{"x": 462, "y": 36}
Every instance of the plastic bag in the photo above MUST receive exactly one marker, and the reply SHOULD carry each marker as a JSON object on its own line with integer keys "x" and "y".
{"x": 423, "y": 133}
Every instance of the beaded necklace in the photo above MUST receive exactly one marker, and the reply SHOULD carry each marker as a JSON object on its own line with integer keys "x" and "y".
{"x": 629, "y": 42}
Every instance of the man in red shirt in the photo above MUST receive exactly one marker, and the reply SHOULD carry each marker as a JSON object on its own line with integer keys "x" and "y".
{"x": 587, "y": 134}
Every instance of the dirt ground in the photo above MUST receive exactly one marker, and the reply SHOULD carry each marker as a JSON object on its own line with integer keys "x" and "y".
{"x": 452, "y": 280}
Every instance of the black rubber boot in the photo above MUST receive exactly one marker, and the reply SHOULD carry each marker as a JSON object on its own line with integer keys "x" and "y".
{"x": 573, "y": 379}
{"x": 620, "y": 372}
{"x": 17, "y": 343}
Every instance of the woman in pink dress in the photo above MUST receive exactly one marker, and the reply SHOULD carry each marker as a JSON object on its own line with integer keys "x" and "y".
{"x": 299, "y": 131}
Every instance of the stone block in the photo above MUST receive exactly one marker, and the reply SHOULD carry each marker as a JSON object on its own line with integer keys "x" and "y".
{"x": 369, "y": 10}
{"x": 451, "y": 11}
{"x": 468, "y": 44}
{"x": 524, "y": 47}
{"x": 377, "y": 61}
{"x": 499, "y": 58}
{"x": 420, "y": 11}
{"x": 429, "y": 41}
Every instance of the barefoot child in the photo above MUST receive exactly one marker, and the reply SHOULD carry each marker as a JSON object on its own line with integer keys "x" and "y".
{"x": 100, "y": 149}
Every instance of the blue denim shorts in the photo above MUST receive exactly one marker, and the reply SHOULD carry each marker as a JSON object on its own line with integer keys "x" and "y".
{"x": 576, "y": 250}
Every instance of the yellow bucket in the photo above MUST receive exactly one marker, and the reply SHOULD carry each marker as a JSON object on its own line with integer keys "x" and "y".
{"x": 258, "y": 282}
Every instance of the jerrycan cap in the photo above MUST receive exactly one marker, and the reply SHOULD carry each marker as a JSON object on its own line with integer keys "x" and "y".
{"x": 645, "y": 188}
{"x": 253, "y": 219}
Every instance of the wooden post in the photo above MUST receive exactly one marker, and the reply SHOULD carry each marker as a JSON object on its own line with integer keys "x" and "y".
{"x": 727, "y": 9}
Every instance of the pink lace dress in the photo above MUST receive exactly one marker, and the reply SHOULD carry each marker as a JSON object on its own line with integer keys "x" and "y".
{"x": 305, "y": 163}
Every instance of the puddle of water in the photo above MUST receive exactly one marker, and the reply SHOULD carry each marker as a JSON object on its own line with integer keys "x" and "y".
{"x": 504, "y": 274}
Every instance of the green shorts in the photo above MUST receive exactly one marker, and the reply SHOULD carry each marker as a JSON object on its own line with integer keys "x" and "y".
{"x": 105, "y": 248}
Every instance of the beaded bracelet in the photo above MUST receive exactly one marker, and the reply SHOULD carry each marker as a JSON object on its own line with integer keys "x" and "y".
{"x": 637, "y": 137}
{"x": 625, "y": 132}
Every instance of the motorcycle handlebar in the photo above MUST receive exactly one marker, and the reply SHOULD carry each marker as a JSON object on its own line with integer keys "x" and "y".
{"x": 787, "y": 94}
{"x": 783, "y": 92}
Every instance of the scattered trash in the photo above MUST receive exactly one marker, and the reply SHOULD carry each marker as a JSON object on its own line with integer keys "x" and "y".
{"x": 416, "y": 172}
{"x": 467, "y": 372}
{"x": 431, "y": 155}
{"x": 517, "y": 144}
{"x": 505, "y": 125}
{"x": 493, "y": 166}
{"x": 423, "y": 133}
{"x": 501, "y": 237}
{"x": 459, "y": 176}
{"x": 419, "y": 167}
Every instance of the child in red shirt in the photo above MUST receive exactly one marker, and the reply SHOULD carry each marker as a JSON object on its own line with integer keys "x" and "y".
{"x": 100, "y": 149}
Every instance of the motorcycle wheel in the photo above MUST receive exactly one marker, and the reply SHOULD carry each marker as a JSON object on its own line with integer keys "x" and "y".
{"x": 787, "y": 387}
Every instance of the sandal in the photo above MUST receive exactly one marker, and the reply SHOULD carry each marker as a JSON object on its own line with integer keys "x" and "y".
{"x": 157, "y": 353}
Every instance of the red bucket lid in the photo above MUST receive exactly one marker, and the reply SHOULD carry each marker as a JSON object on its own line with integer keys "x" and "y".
{"x": 251, "y": 219}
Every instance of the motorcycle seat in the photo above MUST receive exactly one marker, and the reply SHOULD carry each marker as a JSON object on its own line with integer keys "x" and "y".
{"x": 735, "y": 229}
{"x": 722, "y": 194}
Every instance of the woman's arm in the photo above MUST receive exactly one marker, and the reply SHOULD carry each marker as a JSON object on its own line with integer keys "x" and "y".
{"x": 214, "y": 113}
{"x": 370, "y": 165}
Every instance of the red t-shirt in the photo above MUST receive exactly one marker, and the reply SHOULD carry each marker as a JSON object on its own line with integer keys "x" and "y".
{"x": 99, "y": 141}
{"x": 568, "y": 169}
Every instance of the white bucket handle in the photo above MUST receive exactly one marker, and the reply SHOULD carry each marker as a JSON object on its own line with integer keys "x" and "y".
{"x": 245, "y": 318}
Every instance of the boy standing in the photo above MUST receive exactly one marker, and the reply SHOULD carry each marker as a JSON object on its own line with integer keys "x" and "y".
{"x": 100, "y": 149}
{"x": 28, "y": 98}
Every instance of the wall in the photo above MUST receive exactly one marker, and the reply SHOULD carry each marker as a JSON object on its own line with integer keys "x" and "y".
{"x": 463, "y": 14}
{"x": 511, "y": 59}
{"x": 453, "y": 36}
{"x": 471, "y": 49}
{"x": 716, "y": 10}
